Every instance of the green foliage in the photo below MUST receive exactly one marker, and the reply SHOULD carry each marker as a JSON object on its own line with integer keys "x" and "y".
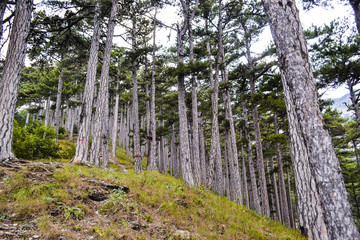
{"x": 35, "y": 141}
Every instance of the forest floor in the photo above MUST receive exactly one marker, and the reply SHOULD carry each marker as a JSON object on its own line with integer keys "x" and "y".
{"x": 57, "y": 200}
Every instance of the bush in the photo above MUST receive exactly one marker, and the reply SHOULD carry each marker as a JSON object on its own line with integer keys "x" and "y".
{"x": 29, "y": 142}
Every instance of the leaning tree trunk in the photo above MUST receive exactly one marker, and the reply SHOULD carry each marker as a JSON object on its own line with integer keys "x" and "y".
{"x": 151, "y": 160}
{"x": 324, "y": 209}
{"x": 9, "y": 85}
{"x": 282, "y": 188}
{"x": 254, "y": 191}
{"x": 82, "y": 146}
{"x": 2, "y": 11}
{"x": 100, "y": 132}
{"x": 355, "y": 4}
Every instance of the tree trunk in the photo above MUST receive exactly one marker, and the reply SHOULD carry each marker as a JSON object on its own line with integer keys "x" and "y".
{"x": 101, "y": 130}
{"x": 151, "y": 160}
{"x": 354, "y": 102}
{"x": 357, "y": 207}
{"x": 57, "y": 113}
{"x": 185, "y": 160}
{"x": 47, "y": 112}
{"x": 11, "y": 74}
{"x": 259, "y": 152}
{"x": 355, "y": 4}
{"x": 276, "y": 193}
{"x": 254, "y": 191}
{"x": 245, "y": 183}
{"x": 116, "y": 116}
{"x": 202, "y": 152}
{"x": 195, "y": 119}
{"x": 290, "y": 204}
{"x": 227, "y": 187}
{"x": 324, "y": 209}
{"x": 82, "y": 145}
{"x": 2, "y": 11}
{"x": 135, "y": 102}
{"x": 282, "y": 189}
{"x": 174, "y": 152}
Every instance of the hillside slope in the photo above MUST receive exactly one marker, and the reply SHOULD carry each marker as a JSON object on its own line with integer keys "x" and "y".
{"x": 60, "y": 201}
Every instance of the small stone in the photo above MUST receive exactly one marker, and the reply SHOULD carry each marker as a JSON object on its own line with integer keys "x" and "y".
{"x": 181, "y": 234}
{"x": 63, "y": 238}
{"x": 35, "y": 237}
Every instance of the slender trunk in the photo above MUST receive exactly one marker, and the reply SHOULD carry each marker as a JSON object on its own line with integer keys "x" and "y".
{"x": 255, "y": 195}
{"x": 101, "y": 130}
{"x": 276, "y": 193}
{"x": 174, "y": 152}
{"x": 47, "y": 112}
{"x": 116, "y": 116}
{"x": 227, "y": 152}
{"x": 245, "y": 183}
{"x": 356, "y": 153}
{"x": 354, "y": 102}
{"x": 355, "y": 4}
{"x": 202, "y": 152}
{"x": 151, "y": 160}
{"x": 290, "y": 202}
{"x": 57, "y": 113}
{"x": 259, "y": 152}
{"x": 282, "y": 189}
{"x": 27, "y": 120}
{"x": 324, "y": 209}
{"x": 82, "y": 145}
{"x": 2, "y": 11}
{"x": 135, "y": 101}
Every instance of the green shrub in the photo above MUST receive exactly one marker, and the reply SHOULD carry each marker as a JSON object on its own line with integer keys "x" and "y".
{"x": 29, "y": 142}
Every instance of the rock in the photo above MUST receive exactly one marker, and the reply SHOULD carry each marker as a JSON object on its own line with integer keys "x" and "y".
{"x": 62, "y": 238}
{"x": 36, "y": 237}
{"x": 107, "y": 186}
{"x": 181, "y": 234}
{"x": 97, "y": 195}
{"x": 137, "y": 226}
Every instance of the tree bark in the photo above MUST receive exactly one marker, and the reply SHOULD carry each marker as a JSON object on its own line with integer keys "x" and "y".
{"x": 57, "y": 113}
{"x": 245, "y": 183}
{"x": 324, "y": 210}
{"x": 101, "y": 130}
{"x": 174, "y": 152}
{"x": 116, "y": 116}
{"x": 354, "y": 102}
{"x": 82, "y": 143}
{"x": 9, "y": 85}
{"x": 202, "y": 152}
{"x": 135, "y": 101}
{"x": 151, "y": 160}
{"x": 47, "y": 112}
{"x": 355, "y": 4}
{"x": 276, "y": 192}
{"x": 282, "y": 189}
{"x": 254, "y": 191}
{"x": 2, "y": 11}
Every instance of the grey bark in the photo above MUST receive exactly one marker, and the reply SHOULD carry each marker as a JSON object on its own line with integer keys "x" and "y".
{"x": 186, "y": 171}
{"x": 135, "y": 101}
{"x": 354, "y": 102}
{"x": 2, "y": 11}
{"x": 101, "y": 130}
{"x": 85, "y": 118}
{"x": 116, "y": 116}
{"x": 290, "y": 202}
{"x": 9, "y": 85}
{"x": 255, "y": 203}
{"x": 151, "y": 160}
{"x": 57, "y": 113}
{"x": 324, "y": 209}
{"x": 282, "y": 189}
{"x": 47, "y": 112}
{"x": 244, "y": 174}
{"x": 276, "y": 192}
{"x": 259, "y": 152}
{"x": 195, "y": 120}
{"x": 174, "y": 152}
{"x": 355, "y": 4}
{"x": 202, "y": 152}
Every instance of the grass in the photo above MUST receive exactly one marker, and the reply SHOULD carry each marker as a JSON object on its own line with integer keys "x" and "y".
{"x": 159, "y": 202}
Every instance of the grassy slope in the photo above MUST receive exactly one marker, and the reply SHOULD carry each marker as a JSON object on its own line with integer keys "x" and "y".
{"x": 52, "y": 201}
